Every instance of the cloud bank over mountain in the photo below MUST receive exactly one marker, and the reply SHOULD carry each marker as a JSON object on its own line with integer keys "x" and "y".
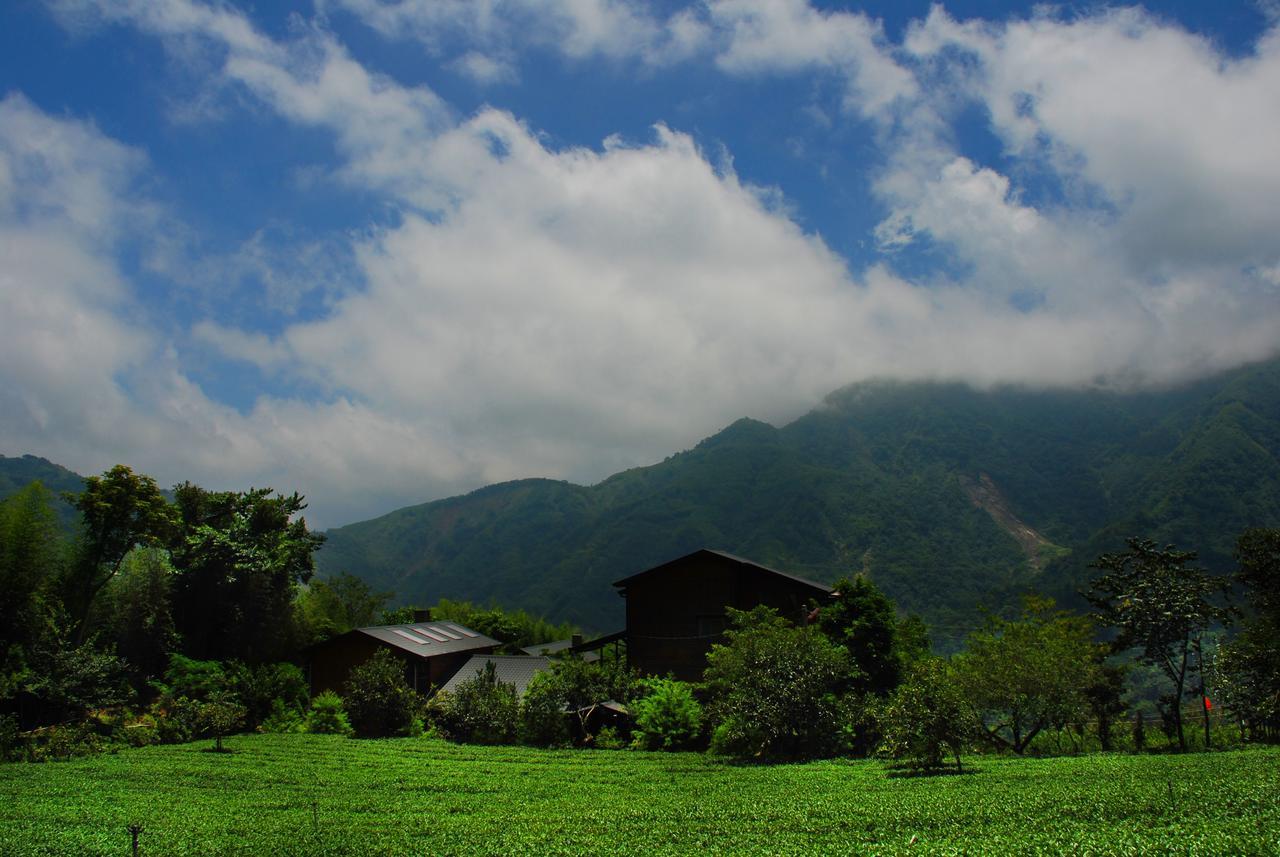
{"x": 1056, "y": 201}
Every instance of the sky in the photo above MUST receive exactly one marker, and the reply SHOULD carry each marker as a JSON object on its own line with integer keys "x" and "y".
{"x": 386, "y": 251}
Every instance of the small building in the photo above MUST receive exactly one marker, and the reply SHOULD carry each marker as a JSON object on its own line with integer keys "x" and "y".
{"x": 518, "y": 670}
{"x": 676, "y": 611}
{"x": 431, "y": 651}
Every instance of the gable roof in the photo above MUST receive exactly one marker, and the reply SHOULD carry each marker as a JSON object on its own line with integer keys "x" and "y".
{"x": 509, "y": 669}
{"x": 428, "y": 639}
{"x": 819, "y": 588}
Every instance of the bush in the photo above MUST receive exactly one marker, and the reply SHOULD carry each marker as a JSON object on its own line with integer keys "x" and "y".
{"x": 176, "y": 719}
{"x": 542, "y": 713}
{"x": 263, "y": 688}
{"x": 283, "y": 719}
{"x": 482, "y": 710}
{"x": 327, "y": 715}
{"x": 925, "y": 717}
{"x": 378, "y": 701}
{"x": 668, "y": 717}
{"x": 776, "y": 689}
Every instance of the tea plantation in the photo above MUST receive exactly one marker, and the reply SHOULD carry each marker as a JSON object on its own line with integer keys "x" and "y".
{"x": 317, "y": 794}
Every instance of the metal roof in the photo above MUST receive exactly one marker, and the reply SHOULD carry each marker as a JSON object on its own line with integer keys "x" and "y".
{"x": 509, "y": 669}
{"x": 428, "y": 639}
{"x": 627, "y": 581}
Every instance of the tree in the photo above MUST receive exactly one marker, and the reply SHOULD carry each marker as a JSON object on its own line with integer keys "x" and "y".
{"x": 926, "y": 716}
{"x": 379, "y": 701}
{"x": 1248, "y": 667}
{"x": 137, "y": 614}
{"x": 776, "y": 689}
{"x": 335, "y": 605}
{"x": 481, "y": 709}
{"x": 239, "y": 561}
{"x": 1021, "y": 677}
{"x": 31, "y": 560}
{"x": 119, "y": 510}
{"x": 861, "y": 619}
{"x": 1162, "y": 605}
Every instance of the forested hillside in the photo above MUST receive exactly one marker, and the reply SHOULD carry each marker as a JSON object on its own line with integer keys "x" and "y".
{"x": 18, "y": 472}
{"x": 919, "y": 485}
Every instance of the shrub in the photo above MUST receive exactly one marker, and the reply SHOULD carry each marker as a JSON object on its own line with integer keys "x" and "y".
{"x": 176, "y": 719}
{"x": 378, "y": 701}
{"x": 542, "y": 713}
{"x": 668, "y": 717}
{"x": 482, "y": 710}
{"x": 775, "y": 689}
{"x": 925, "y": 717}
{"x": 327, "y": 715}
{"x": 259, "y": 688}
{"x": 283, "y": 719}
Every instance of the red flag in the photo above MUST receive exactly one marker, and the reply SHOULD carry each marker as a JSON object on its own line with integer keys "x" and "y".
{"x": 1207, "y": 704}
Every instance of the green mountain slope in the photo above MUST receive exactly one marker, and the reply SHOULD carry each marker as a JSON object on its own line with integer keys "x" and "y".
{"x": 882, "y": 479}
{"x": 18, "y": 472}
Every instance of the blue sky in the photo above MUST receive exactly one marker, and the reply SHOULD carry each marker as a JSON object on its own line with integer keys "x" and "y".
{"x": 383, "y": 251}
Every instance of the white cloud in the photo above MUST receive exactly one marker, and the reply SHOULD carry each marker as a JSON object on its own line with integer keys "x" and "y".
{"x": 578, "y": 29}
{"x": 570, "y": 311}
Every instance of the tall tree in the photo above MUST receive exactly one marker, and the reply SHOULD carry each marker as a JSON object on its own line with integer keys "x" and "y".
{"x": 1248, "y": 667}
{"x": 119, "y": 510}
{"x": 339, "y": 603}
{"x": 31, "y": 559}
{"x": 238, "y": 564}
{"x": 1161, "y": 604}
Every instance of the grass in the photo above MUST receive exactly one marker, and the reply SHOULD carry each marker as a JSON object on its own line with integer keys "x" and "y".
{"x": 317, "y": 794}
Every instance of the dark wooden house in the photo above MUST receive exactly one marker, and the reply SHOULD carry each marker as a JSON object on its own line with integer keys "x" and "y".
{"x": 431, "y": 652}
{"x": 676, "y": 611}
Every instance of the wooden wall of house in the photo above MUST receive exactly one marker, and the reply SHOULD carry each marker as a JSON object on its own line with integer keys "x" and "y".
{"x": 675, "y": 614}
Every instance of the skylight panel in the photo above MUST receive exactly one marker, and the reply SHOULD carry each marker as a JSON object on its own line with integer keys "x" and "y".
{"x": 463, "y": 631}
{"x": 410, "y": 637}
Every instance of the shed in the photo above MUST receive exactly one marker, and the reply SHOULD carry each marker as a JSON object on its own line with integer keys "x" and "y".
{"x": 676, "y": 611}
{"x": 431, "y": 651}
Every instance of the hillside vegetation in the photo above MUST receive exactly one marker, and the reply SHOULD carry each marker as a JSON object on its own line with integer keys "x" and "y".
{"x": 879, "y": 479}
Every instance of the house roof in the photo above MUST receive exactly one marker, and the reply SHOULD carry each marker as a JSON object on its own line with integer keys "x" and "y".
{"x": 509, "y": 669}
{"x": 428, "y": 639}
{"x": 557, "y": 646}
{"x": 819, "y": 588}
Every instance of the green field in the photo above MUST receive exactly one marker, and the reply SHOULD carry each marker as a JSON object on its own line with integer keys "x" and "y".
{"x": 317, "y": 794}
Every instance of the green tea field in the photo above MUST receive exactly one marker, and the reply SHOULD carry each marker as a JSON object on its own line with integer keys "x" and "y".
{"x": 318, "y": 794}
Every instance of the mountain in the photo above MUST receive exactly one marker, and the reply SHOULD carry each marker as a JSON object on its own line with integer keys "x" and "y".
{"x": 19, "y": 472}
{"x": 950, "y": 498}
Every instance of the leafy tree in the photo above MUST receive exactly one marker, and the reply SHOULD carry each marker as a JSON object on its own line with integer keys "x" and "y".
{"x": 239, "y": 562}
{"x": 264, "y": 689}
{"x": 926, "y": 716}
{"x": 1162, "y": 605}
{"x": 335, "y": 605}
{"x": 379, "y": 702}
{"x": 220, "y": 716}
{"x": 668, "y": 717}
{"x": 1105, "y": 696}
{"x": 1258, "y": 559}
{"x": 119, "y": 510}
{"x": 1021, "y": 677}
{"x": 69, "y": 681}
{"x": 775, "y": 688}
{"x": 860, "y": 618}
{"x": 481, "y": 710}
